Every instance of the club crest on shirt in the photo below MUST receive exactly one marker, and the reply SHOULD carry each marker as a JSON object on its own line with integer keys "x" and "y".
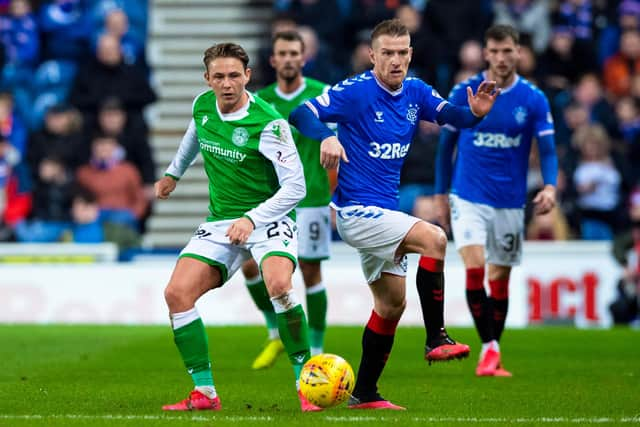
{"x": 412, "y": 113}
{"x": 240, "y": 137}
{"x": 520, "y": 114}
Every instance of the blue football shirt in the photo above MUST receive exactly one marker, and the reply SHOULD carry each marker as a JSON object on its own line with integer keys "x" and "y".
{"x": 493, "y": 157}
{"x": 376, "y": 127}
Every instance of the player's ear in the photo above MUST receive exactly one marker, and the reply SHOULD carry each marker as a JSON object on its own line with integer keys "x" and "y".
{"x": 272, "y": 61}
{"x": 206, "y": 76}
{"x": 372, "y": 57}
{"x": 247, "y": 75}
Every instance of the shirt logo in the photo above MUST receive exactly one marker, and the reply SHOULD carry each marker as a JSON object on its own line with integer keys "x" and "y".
{"x": 205, "y": 119}
{"x": 520, "y": 114}
{"x": 412, "y": 113}
{"x": 379, "y": 118}
{"x": 240, "y": 137}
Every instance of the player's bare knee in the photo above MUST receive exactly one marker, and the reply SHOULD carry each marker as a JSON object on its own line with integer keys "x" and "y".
{"x": 440, "y": 242}
{"x": 277, "y": 286}
{"x": 174, "y": 298}
{"x": 392, "y": 308}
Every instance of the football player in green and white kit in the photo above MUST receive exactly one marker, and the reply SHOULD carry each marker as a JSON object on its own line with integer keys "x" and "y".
{"x": 255, "y": 182}
{"x": 312, "y": 214}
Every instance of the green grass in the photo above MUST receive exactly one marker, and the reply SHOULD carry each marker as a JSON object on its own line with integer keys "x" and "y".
{"x": 118, "y": 375}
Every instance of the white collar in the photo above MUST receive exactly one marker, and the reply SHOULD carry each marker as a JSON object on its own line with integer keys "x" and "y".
{"x": 508, "y": 88}
{"x": 386, "y": 89}
{"x": 292, "y": 95}
{"x": 238, "y": 114}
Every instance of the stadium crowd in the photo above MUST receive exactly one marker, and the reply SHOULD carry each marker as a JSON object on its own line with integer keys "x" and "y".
{"x": 75, "y": 162}
{"x": 584, "y": 54}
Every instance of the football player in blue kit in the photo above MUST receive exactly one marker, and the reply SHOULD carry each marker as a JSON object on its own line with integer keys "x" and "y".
{"x": 377, "y": 113}
{"x": 488, "y": 185}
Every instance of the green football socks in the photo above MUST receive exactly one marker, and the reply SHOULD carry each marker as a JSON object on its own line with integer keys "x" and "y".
{"x": 317, "y": 310}
{"x": 292, "y": 324}
{"x": 191, "y": 339}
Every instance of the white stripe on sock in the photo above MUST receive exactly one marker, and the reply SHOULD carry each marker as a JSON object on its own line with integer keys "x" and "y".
{"x": 315, "y": 288}
{"x": 285, "y": 302}
{"x": 178, "y": 320}
{"x": 253, "y": 280}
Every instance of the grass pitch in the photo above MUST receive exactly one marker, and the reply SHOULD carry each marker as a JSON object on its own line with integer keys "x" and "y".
{"x": 120, "y": 376}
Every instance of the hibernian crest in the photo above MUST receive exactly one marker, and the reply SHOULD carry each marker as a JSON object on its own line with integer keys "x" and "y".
{"x": 240, "y": 137}
{"x": 520, "y": 114}
{"x": 412, "y": 113}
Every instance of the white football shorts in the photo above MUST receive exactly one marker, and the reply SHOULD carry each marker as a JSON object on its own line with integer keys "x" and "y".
{"x": 314, "y": 233}
{"x": 501, "y": 231}
{"x": 210, "y": 245}
{"x": 376, "y": 233}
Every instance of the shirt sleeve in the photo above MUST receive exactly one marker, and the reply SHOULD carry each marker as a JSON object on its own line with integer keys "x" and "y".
{"x": 338, "y": 103}
{"x": 186, "y": 154}
{"x": 276, "y": 144}
{"x": 431, "y": 102}
{"x": 444, "y": 159}
{"x": 545, "y": 134}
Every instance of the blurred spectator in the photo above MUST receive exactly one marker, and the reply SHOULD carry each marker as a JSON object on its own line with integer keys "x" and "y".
{"x": 65, "y": 28}
{"x": 310, "y": 13}
{"x": 628, "y": 18}
{"x": 628, "y": 114}
{"x": 471, "y": 61}
{"x": 85, "y": 214}
{"x": 527, "y": 16}
{"x": 578, "y": 17}
{"x": 266, "y": 73}
{"x": 564, "y": 61}
{"x": 108, "y": 76}
{"x": 116, "y": 23}
{"x": 598, "y": 184}
{"x": 528, "y": 64}
{"x": 19, "y": 35}
{"x": 318, "y": 64}
{"x": 623, "y": 65}
{"x": 365, "y": 14}
{"x": 625, "y": 308}
{"x": 451, "y": 23}
{"x": 424, "y": 43}
{"x": 589, "y": 94}
{"x": 135, "y": 10}
{"x": 113, "y": 121}
{"x": 15, "y": 199}
{"x": 11, "y": 125}
{"x": 51, "y": 211}
{"x": 360, "y": 58}
{"x": 51, "y": 85}
{"x": 115, "y": 182}
{"x": 61, "y": 138}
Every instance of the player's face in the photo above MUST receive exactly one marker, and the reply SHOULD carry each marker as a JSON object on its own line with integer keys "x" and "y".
{"x": 502, "y": 57}
{"x": 228, "y": 78}
{"x": 287, "y": 59}
{"x": 390, "y": 57}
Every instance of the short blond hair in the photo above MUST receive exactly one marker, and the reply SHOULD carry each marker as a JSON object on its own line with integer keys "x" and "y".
{"x": 591, "y": 132}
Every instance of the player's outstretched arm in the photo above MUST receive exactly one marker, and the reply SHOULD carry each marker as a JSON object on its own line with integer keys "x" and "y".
{"x": 164, "y": 187}
{"x": 482, "y": 101}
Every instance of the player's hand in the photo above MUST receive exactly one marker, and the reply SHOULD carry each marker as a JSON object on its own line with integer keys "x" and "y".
{"x": 164, "y": 186}
{"x": 442, "y": 211}
{"x": 240, "y": 230}
{"x": 484, "y": 98}
{"x": 545, "y": 200}
{"x": 331, "y": 152}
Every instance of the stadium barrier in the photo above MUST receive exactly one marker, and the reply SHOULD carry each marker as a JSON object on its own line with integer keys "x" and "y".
{"x": 558, "y": 283}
